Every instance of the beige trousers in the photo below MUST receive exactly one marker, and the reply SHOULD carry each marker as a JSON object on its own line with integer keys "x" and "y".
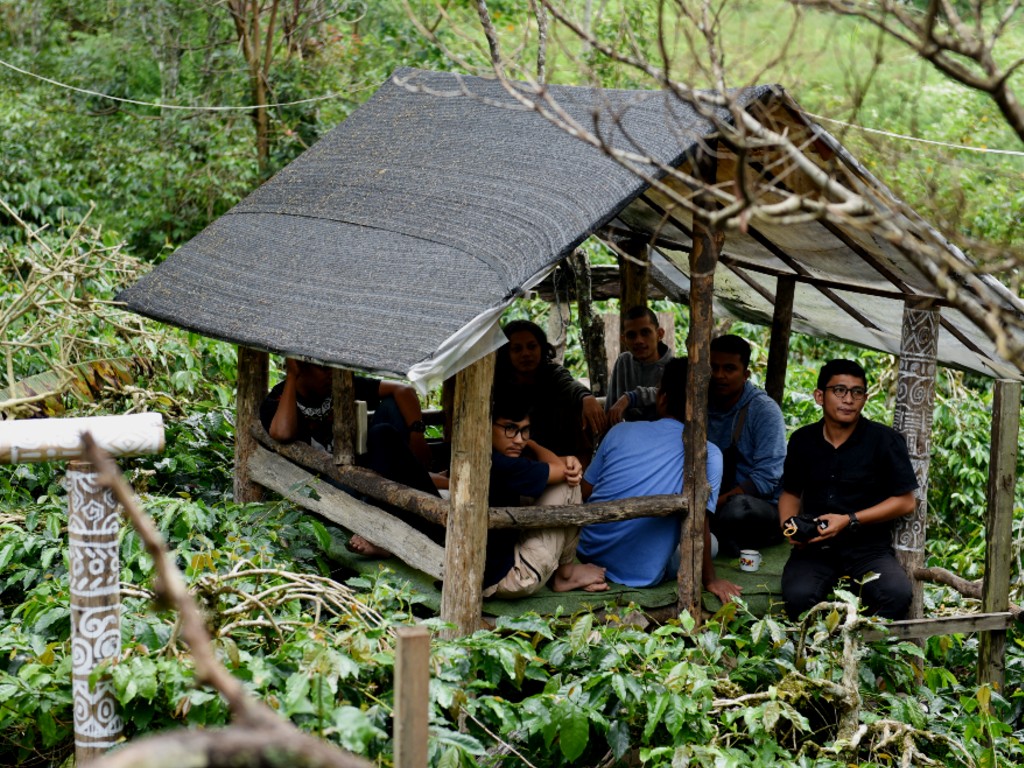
{"x": 540, "y": 551}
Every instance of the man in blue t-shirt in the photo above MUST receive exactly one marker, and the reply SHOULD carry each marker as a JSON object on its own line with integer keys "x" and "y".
{"x": 646, "y": 459}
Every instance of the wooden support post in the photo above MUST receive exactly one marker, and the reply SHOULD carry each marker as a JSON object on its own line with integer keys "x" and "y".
{"x": 412, "y": 697}
{"x": 253, "y": 377}
{"x": 778, "y": 347}
{"x": 466, "y": 536}
{"x": 95, "y": 573}
{"x": 634, "y": 271}
{"x": 448, "y": 407}
{"x": 559, "y": 315}
{"x": 1002, "y": 479}
{"x": 707, "y": 245}
{"x": 915, "y": 404}
{"x": 591, "y": 328}
{"x": 343, "y": 405}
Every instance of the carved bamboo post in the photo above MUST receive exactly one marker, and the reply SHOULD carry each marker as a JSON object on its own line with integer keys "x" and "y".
{"x": 253, "y": 377}
{"x": 1002, "y": 480}
{"x": 778, "y": 346}
{"x": 93, "y": 526}
{"x": 915, "y": 405}
{"x": 466, "y": 536}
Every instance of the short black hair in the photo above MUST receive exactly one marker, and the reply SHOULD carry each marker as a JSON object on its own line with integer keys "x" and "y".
{"x": 731, "y": 344}
{"x": 510, "y": 405}
{"x": 673, "y": 386}
{"x": 639, "y": 311}
{"x": 841, "y": 368}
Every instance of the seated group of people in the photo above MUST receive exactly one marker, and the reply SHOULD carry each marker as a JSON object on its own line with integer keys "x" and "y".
{"x": 848, "y": 476}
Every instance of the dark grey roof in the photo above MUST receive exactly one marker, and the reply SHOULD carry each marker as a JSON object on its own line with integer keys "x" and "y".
{"x": 394, "y": 243}
{"x": 409, "y": 220}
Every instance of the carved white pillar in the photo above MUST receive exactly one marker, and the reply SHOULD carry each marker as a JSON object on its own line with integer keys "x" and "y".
{"x": 93, "y": 524}
{"x": 915, "y": 405}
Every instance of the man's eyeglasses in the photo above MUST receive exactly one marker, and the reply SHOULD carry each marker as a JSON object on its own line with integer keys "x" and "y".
{"x": 841, "y": 391}
{"x": 511, "y": 430}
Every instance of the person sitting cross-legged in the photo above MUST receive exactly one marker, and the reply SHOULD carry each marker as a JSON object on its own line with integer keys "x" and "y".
{"x": 747, "y": 425}
{"x": 646, "y": 459}
{"x": 521, "y": 562}
{"x": 518, "y": 563}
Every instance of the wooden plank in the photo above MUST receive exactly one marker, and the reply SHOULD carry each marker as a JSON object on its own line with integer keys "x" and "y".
{"x": 1002, "y": 479}
{"x": 778, "y": 346}
{"x": 466, "y": 540}
{"x": 915, "y": 405}
{"x": 372, "y": 523}
{"x": 253, "y": 378}
{"x": 946, "y": 625}
{"x": 412, "y": 697}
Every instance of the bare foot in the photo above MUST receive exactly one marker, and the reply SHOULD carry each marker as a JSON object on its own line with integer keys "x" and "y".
{"x": 585, "y": 576}
{"x": 361, "y": 546}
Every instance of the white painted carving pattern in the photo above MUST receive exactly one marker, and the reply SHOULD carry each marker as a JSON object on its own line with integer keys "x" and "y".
{"x": 915, "y": 403}
{"x": 93, "y": 525}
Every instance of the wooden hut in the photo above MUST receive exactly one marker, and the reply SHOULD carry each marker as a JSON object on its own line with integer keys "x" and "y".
{"x": 395, "y": 243}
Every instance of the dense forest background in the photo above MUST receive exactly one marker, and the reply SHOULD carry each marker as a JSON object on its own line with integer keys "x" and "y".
{"x": 127, "y": 126}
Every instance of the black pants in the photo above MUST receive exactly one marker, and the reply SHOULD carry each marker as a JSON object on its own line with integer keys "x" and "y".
{"x": 812, "y": 573}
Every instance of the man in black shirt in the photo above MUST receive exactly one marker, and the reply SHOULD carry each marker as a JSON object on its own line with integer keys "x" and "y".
{"x": 853, "y": 478}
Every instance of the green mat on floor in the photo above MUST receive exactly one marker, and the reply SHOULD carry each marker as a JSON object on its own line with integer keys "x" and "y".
{"x": 760, "y": 589}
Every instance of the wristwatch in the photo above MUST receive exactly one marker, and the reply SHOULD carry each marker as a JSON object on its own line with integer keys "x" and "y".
{"x": 418, "y": 426}
{"x": 854, "y": 522}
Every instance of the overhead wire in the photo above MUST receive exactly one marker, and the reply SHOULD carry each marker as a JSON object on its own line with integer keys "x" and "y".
{"x": 330, "y": 96}
{"x": 159, "y": 105}
{"x": 904, "y": 137}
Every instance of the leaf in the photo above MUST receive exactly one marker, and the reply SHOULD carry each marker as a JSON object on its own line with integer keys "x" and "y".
{"x": 296, "y": 697}
{"x": 574, "y": 735}
{"x": 832, "y": 621}
{"x": 618, "y": 738}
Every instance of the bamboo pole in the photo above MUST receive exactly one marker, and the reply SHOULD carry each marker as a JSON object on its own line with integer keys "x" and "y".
{"x": 915, "y": 403}
{"x": 412, "y": 697}
{"x": 466, "y": 537}
{"x": 253, "y": 377}
{"x": 26, "y": 441}
{"x": 95, "y": 572}
{"x": 1002, "y": 479}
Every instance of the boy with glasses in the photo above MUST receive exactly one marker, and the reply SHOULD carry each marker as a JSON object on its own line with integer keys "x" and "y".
{"x": 851, "y": 477}
{"x": 521, "y": 562}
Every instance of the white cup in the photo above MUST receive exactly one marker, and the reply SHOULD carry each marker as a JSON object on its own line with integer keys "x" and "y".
{"x": 750, "y": 559}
